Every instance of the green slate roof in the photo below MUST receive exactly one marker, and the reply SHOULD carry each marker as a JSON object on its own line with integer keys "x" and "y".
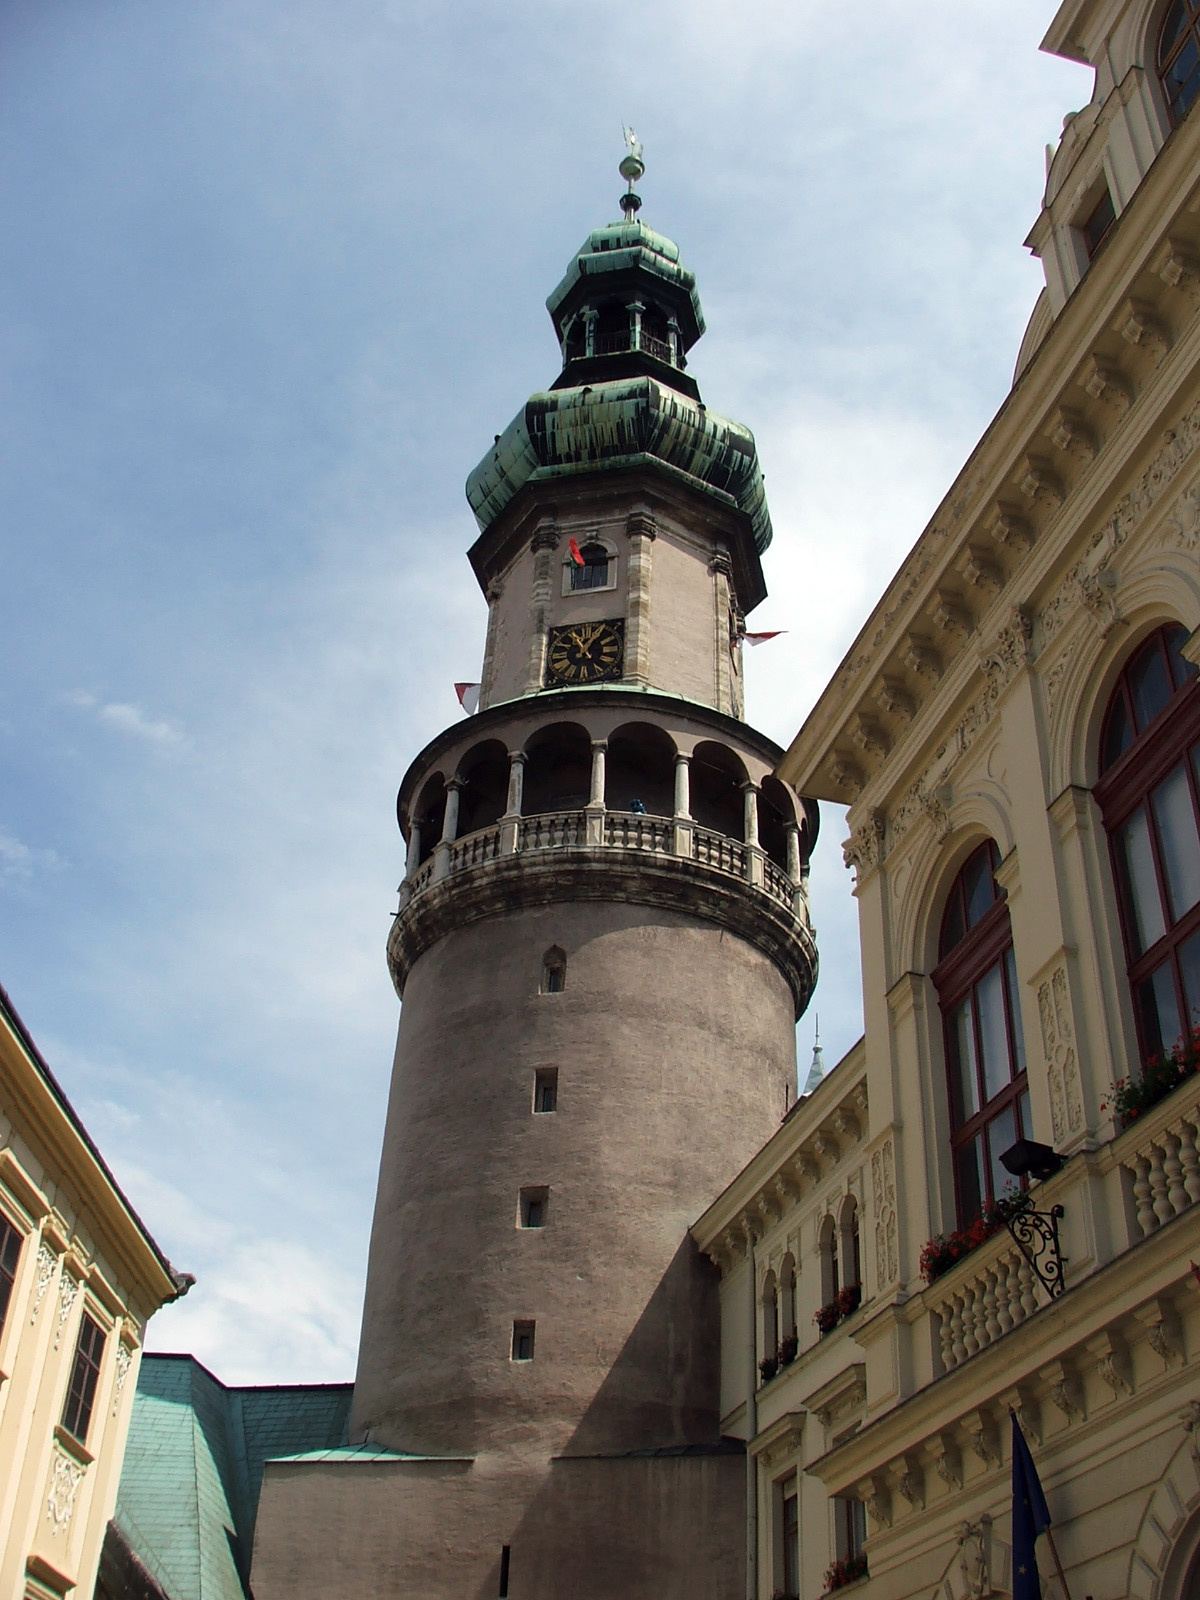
{"x": 627, "y": 247}
{"x": 193, "y": 1469}
{"x": 623, "y": 422}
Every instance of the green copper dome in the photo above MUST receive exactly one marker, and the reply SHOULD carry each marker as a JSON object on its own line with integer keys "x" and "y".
{"x": 626, "y": 313}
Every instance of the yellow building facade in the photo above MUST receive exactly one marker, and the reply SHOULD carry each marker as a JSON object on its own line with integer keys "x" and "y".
{"x": 79, "y": 1277}
{"x": 1016, "y": 731}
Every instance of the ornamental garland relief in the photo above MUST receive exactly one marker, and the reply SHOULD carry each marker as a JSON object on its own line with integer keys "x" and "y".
{"x": 1058, "y": 1045}
{"x": 65, "y": 1477}
{"x": 46, "y": 1263}
{"x": 883, "y": 1189}
{"x": 68, "y": 1289}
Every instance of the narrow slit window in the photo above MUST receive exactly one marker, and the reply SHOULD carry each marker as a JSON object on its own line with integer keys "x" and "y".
{"x": 10, "y": 1254}
{"x": 533, "y": 1207}
{"x": 85, "y": 1374}
{"x": 545, "y": 1090}
{"x": 1098, "y": 223}
{"x": 522, "y": 1341}
{"x": 505, "y": 1554}
{"x": 554, "y": 971}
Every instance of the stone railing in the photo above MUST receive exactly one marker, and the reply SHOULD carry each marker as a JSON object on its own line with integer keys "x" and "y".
{"x": 981, "y": 1299}
{"x": 612, "y": 830}
{"x": 720, "y": 851}
{"x": 1161, "y": 1151}
{"x": 629, "y": 832}
{"x": 552, "y": 830}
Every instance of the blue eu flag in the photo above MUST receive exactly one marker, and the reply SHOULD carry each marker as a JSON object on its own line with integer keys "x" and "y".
{"x": 1030, "y": 1516}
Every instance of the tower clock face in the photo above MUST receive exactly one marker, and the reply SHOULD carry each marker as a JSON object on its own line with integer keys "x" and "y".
{"x": 586, "y": 652}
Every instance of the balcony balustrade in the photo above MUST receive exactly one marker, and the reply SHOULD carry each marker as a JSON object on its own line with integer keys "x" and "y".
{"x": 608, "y": 830}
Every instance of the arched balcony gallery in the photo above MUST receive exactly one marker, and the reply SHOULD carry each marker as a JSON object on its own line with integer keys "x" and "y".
{"x": 636, "y": 788}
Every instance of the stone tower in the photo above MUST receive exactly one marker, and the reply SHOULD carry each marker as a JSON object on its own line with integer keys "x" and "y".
{"x": 602, "y": 949}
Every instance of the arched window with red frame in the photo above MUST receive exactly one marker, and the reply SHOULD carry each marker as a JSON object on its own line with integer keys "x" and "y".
{"x": 976, "y": 982}
{"x": 1149, "y": 797}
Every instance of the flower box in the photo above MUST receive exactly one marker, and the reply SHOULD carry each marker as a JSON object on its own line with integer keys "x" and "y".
{"x": 1130, "y": 1097}
{"x": 844, "y": 1304}
{"x": 767, "y": 1368}
{"x": 946, "y": 1250}
{"x": 849, "y": 1570}
{"x": 787, "y": 1350}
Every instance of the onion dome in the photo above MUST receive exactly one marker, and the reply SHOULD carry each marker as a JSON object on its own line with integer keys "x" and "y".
{"x": 626, "y": 313}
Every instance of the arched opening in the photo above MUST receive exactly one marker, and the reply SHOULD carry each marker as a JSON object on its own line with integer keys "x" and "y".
{"x": 484, "y": 796}
{"x": 827, "y": 1252}
{"x": 593, "y": 574}
{"x": 775, "y": 812}
{"x": 1149, "y": 797}
{"x": 769, "y": 1364}
{"x": 788, "y": 1339}
{"x": 429, "y": 813}
{"x": 1179, "y": 57}
{"x": 640, "y": 766}
{"x": 976, "y": 981}
{"x": 612, "y": 328}
{"x": 559, "y": 770}
{"x": 849, "y": 1255}
{"x": 717, "y": 802}
{"x": 554, "y": 971}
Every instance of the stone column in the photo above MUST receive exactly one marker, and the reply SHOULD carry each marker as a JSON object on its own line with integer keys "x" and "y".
{"x": 441, "y": 854}
{"x": 797, "y": 873}
{"x": 494, "y": 591}
{"x": 754, "y": 855}
{"x": 589, "y": 331}
{"x": 543, "y": 544}
{"x": 642, "y": 531}
{"x": 635, "y": 324}
{"x": 595, "y": 805}
{"x": 721, "y": 568}
{"x": 510, "y": 821}
{"x": 413, "y": 858}
{"x": 674, "y": 341}
{"x": 682, "y": 845}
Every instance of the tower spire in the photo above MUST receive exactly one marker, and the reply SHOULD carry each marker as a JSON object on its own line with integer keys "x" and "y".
{"x": 631, "y": 169}
{"x": 817, "y": 1071}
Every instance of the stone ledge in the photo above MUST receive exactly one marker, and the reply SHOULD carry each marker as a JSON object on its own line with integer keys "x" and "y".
{"x": 582, "y": 873}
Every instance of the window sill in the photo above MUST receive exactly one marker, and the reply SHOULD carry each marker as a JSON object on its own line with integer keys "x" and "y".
{"x": 73, "y": 1446}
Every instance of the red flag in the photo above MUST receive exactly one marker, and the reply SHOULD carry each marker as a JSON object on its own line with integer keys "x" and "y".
{"x": 760, "y": 638}
{"x": 468, "y": 696}
{"x": 576, "y": 554}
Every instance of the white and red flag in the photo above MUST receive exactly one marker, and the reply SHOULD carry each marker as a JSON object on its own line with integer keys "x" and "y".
{"x": 468, "y": 696}
{"x": 576, "y": 554}
{"x": 760, "y": 638}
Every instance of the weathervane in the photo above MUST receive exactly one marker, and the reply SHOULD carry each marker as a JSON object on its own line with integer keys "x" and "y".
{"x": 631, "y": 168}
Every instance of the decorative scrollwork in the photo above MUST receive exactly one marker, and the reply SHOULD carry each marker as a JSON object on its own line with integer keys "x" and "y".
{"x": 1035, "y": 1234}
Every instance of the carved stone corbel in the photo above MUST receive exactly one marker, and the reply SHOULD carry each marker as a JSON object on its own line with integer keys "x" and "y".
{"x": 1108, "y": 1351}
{"x": 870, "y": 736}
{"x": 950, "y": 615}
{"x": 1178, "y": 268}
{"x": 1019, "y": 1399}
{"x": 1138, "y": 326}
{"x": 893, "y": 698}
{"x": 920, "y": 657}
{"x": 982, "y": 1436}
{"x": 980, "y": 572}
{"x": 1072, "y": 436}
{"x": 1064, "y": 1388}
{"x": 942, "y": 1454}
{"x": 846, "y": 774}
{"x": 1010, "y": 529}
{"x": 874, "y": 1495}
{"x": 1106, "y": 384}
{"x": 1041, "y": 484}
{"x": 1161, "y": 1324}
{"x": 907, "y": 1476}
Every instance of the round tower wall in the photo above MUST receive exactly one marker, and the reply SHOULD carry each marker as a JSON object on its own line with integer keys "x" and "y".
{"x": 674, "y": 1047}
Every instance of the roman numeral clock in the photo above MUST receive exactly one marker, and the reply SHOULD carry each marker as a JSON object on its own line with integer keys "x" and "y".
{"x": 586, "y": 652}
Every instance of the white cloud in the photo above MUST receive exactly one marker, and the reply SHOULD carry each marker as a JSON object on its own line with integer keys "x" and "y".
{"x": 126, "y": 718}
{"x": 19, "y": 862}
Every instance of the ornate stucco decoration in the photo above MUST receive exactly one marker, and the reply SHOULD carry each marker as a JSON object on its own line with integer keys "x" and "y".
{"x": 1058, "y": 1046}
{"x": 864, "y": 849}
{"x": 68, "y": 1291}
{"x": 883, "y": 1192}
{"x": 65, "y": 1477}
{"x": 47, "y": 1262}
{"x": 1009, "y": 653}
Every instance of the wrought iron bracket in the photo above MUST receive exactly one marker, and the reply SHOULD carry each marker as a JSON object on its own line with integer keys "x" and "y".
{"x": 1035, "y": 1234}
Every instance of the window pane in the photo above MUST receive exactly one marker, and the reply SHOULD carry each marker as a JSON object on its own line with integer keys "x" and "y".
{"x": 1025, "y": 1119}
{"x": 1172, "y": 28}
{"x": 1014, "y": 1000}
{"x": 1183, "y": 79}
{"x": 952, "y": 927}
{"x": 1189, "y": 963}
{"x": 1133, "y": 846}
{"x": 960, "y": 1042}
{"x": 1158, "y": 1010}
{"x": 1181, "y": 669}
{"x": 978, "y": 886}
{"x": 1149, "y": 684}
{"x": 1002, "y": 1135}
{"x": 1118, "y": 736}
{"x": 1178, "y": 840}
{"x": 989, "y": 998}
{"x": 968, "y": 1169}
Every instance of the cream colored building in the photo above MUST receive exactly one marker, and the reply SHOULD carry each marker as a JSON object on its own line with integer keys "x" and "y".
{"x": 79, "y": 1277}
{"x": 1016, "y": 732}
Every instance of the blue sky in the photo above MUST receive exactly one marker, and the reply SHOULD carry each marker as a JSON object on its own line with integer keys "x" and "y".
{"x": 272, "y": 276}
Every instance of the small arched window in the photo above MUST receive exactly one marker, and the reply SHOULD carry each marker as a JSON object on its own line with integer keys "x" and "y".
{"x": 1149, "y": 797}
{"x": 849, "y": 1246}
{"x": 976, "y": 981}
{"x": 770, "y": 1316}
{"x": 593, "y": 574}
{"x": 827, "y": 1249}
{"x": 1179, "y": 57}
{"x": 554, "y": 971}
